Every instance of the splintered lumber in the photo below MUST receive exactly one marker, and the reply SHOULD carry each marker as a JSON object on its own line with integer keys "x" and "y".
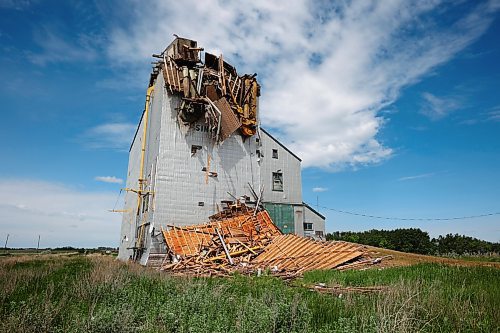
{"x": 244, "y": 239}
{"x": 236, "y": 253}
{"x": 185, "y": 241}
{"x": 224, "y": 247}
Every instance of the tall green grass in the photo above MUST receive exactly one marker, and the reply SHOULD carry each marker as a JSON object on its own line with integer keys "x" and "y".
{"x": 99, "y": 294}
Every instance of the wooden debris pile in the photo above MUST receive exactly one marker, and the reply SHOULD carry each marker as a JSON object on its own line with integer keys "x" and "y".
{"x": 245, "y": 239}
{"x": 228, "y": 243}
{"x": 211, "y": 91}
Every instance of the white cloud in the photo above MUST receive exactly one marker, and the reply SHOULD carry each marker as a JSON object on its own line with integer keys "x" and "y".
{"x": 436, "y": 108}
{"x": 109, "y": 179}
{"x": 319, "y": 189}
{"x": 55, "y": 48}
{"x": 425, "y": 175}
{"x": 326, "y": 71}
{"x": 60, "y": 214}
{"x": 15, "y": 4}
{"x": 494, "y": 115}
{"x": 117, "y": 136}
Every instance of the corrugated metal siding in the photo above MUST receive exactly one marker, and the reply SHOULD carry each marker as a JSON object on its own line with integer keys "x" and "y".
{"x": 289, "y": 166}
{"x": 282, "y": 215}
{"x": 130, "y": 221}
{"x": 127, "y": 233}
{"x": 317, "y": 221}
{"x": 181, "y": 184}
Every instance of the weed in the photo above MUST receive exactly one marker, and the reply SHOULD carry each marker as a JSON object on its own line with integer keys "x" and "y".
{"x": 100, "y": 294}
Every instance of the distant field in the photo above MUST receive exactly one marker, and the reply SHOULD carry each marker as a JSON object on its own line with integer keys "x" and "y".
{"x": 99, "y": 294}
{"x": 406, "y": 259}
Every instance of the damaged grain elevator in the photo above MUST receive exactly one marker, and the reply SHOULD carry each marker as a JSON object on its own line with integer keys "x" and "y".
{"x": 199, "y": 143}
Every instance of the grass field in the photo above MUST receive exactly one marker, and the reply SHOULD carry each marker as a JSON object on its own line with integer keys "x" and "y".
{"x": 100, "y": 294}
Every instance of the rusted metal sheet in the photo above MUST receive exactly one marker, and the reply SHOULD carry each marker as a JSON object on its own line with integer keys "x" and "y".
{"x": 211, "y": 92}
{"x": 229, "y": 121}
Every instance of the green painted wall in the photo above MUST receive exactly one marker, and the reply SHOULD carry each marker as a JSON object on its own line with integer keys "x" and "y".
{"x": 282, "y": 215}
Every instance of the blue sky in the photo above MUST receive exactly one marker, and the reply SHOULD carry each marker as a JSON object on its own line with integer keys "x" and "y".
{"x": 394, "y": 107}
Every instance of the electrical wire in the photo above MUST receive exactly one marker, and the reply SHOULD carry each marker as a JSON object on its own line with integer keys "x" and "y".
{"x": 117, "y": 198}
{"x": 408, "y": 218}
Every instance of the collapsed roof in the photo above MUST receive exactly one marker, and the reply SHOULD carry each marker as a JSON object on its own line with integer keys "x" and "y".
{"x": 244, "y": 239}
{"x": 212, "y": 90}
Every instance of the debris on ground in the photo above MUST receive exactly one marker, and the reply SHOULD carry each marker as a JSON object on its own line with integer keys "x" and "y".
{"x": 228, "y": 243}
{"x": 244, "y": 239}
{"x": 339, "y": 290}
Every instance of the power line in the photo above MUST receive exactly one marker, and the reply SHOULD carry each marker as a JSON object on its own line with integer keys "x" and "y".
{"x": 410, "y": 218}
{"x": 117, "y": 198}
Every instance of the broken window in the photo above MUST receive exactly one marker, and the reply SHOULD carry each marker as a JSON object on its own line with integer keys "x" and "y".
{"x": 194, "y": 149}
{"x": 277, "y": 181}
{"x": 308, "y": 226}
{"x": 319, "y": 234}
{"x": 275, "y": 153}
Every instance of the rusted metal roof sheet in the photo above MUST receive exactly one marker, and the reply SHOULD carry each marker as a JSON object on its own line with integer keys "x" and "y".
{"x": 229, "y": 120}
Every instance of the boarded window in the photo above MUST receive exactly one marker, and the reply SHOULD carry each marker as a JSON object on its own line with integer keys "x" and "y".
{"x": 277, "y": 181}
{"x": 308, "y": 226}
{"x": 275, "y": 153}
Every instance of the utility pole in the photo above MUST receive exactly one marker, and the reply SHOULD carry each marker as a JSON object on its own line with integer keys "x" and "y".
{"x": 6, "y": 241}
{"x": 38, "y": 245}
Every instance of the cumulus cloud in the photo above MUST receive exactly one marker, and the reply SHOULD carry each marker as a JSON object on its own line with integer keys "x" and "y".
{"x": 327, "y": 69}
{"x": 63, "y": 216}
{"x": 320, "y": 189}
{"x": 109, "y": 179}
{"x": 115, "y": 136}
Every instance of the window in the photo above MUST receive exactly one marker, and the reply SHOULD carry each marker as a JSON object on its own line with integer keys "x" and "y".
{"x": 308, "y": 226}
{"x": 278, "y": 181}
{"x": 319, "y": 234}
{"x": 194, "y": 149}
{"x": 275, "y": 153}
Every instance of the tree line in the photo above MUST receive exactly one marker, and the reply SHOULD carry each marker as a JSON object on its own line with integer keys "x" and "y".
{"x": 415, "y": 240}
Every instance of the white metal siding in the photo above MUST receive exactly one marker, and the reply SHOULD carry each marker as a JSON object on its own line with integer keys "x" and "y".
{"x": 289, "y": 166}
{"x": 127, "y": 234}
{"x": 179, "y": 184}
{"x": 311, "y": 217}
